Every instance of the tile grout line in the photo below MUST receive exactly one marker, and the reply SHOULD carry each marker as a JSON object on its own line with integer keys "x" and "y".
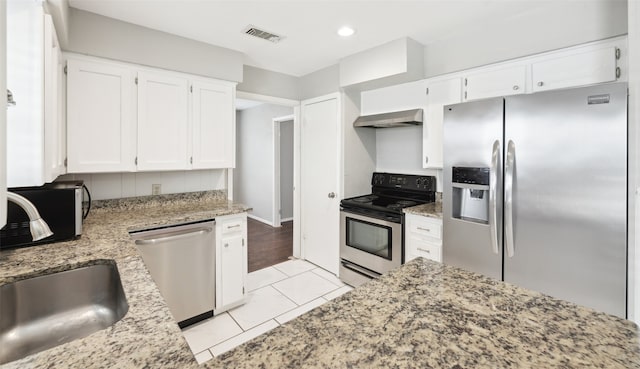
{"x": 327, "y": 279}
{"x": 274, "y": 319}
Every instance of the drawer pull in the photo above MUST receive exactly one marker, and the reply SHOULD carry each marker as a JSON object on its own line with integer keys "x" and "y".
{"x": 424, "y": 229}
{"x": 233, "y": 226}
{"x": 424, "y": 250}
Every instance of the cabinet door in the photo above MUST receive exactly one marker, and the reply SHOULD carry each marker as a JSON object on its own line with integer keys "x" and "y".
{"x": 54, "y": 127}
{"x": 163, "y": 116}
{"x": 585, "y": 68}
{"x": 232, "y": 264}
{"x": 100, "y": 117}
{"x": 499, "y": 82}
{"x": 213, "y": 118}
{"x": 439, "y": 93}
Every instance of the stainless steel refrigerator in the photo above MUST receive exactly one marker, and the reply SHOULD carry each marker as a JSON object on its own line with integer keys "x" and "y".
{"x": 535, "y": 192}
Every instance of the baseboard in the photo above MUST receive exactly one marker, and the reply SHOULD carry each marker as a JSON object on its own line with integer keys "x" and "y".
{"x": 260, "y": 219}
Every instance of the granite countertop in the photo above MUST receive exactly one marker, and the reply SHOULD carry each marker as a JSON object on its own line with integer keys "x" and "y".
{"x": 421, "y": 315}
{"x": 429, "y": 315}
{"x": 147, "y": 336}
{"x": 431, "y": 210}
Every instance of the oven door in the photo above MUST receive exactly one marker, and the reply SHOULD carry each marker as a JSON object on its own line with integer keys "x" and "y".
{"x": 368, "y": 242}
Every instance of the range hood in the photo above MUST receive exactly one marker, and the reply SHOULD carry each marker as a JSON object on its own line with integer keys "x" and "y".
{"x": 388, "y": 120}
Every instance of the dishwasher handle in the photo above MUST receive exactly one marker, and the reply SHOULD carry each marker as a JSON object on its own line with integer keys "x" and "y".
{"x": 175, "y": 237}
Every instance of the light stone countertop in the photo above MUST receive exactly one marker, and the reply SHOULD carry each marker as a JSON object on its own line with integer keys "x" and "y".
{"x": 422, "y": 315}
{"x": 429, "y": 315}
{"x": 147, "y": 336}
{"x": 430, "y": 210}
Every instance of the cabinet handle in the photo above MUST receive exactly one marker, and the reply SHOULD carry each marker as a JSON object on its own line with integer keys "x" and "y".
{"x": 426, "y": 159}
{"x": 540, "y": 83}
{"x": 516, "y": 87}
{"x": 226, "y": 245}
{"x": 233, "y": 226}
{"x": 424, "y": 229}
{"x": 424, "y": 250}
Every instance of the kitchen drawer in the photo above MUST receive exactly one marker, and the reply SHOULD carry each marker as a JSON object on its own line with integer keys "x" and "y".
{"x": 421, "y": 226}
{"x": 232, "y": 225}
{"x": 416, "y": 247}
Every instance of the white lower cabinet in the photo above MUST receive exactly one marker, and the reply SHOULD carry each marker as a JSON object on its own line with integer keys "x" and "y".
{"x": 423, "y": 237}
{"x": 231, "y": 261}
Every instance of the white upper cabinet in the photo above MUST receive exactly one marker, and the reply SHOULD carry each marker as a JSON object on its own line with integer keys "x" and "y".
{"x": 508, "y": 80}
{"x": 35, "y": 130}
{"x": 100, "y": 117}
{"x": 163, "y": 115}
{"x": 439, "y": 94}
{"x": 576, "y": 69}
{"x": 212, "y": 134}
{"x": 123, "y": 117}
{"x": 55, "y": 132}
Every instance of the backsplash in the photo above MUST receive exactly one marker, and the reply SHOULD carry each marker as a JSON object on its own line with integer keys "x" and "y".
{"x": 142, "y": 202}
{"x": 123, "y": 185}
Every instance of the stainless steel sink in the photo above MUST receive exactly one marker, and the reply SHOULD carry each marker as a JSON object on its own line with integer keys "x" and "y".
{"x": 39, "y": 313}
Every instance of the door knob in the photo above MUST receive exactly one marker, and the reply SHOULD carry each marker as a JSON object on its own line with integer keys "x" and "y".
{"x": 332, "y": 195}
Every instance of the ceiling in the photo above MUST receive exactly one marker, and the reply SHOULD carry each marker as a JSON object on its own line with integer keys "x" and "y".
{"x": 309, "y": 27}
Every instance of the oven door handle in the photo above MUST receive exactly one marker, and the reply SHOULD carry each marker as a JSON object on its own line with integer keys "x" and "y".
{"x": 360, "y": 270}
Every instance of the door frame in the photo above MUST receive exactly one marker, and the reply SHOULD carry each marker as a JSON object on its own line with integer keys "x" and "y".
{"x": 295, "y": 104}
{"x": 276, "y": 200}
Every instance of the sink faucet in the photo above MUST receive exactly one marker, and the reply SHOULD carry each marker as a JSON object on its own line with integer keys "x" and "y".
{"x": 37, "y": 225}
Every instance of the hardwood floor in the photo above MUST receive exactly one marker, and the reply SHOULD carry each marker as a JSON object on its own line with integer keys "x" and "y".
{"x": 268, "y": 245}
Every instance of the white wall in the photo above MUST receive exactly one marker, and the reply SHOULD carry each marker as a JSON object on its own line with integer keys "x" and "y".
{"x": 120, "y": 185}
{"x": 105, "y": 37}
{"x": 265, "y": 82}
{"x": 319, "y": 83}
{"x": 286, "y": 169}
{"x": 253, "y": 175}
{"x": 359, "y": 147}
{"x": 558, "y": 24}
{"x": 399, "y": 150}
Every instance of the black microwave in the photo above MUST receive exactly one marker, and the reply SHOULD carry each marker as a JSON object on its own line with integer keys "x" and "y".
{"x": 59, "y": 205}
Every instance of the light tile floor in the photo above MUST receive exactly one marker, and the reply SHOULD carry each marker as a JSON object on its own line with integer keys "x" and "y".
{"x": 276, "y": 295}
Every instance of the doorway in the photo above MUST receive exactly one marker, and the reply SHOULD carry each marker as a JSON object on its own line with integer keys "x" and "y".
{"x": 263, "y": 178}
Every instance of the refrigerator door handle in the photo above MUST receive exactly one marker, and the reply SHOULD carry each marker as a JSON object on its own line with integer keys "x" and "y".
{"x": 508, "y": 197}
{"x": 493, "y": 191}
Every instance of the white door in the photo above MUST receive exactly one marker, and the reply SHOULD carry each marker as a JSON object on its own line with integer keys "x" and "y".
{"x": 100, "y": 118}
{"x": 319, "y": 168}
{"x": 213, "y": 118}
{"x": 163, "y": 115}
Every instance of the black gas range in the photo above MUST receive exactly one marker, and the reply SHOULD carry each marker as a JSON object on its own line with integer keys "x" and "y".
{"x": 371, "y": 234}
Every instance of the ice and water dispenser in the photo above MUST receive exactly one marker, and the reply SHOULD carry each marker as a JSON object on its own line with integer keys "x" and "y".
{"x": 470, "y": 194}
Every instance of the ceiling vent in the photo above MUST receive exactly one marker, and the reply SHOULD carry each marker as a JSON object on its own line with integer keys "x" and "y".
{"x": 257, "y": 32}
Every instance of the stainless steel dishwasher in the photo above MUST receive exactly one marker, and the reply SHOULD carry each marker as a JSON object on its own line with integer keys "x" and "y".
{"x": 181, "y": 260}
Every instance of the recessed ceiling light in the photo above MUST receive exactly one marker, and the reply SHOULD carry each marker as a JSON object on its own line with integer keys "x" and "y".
{"x": 346, "y": 31}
